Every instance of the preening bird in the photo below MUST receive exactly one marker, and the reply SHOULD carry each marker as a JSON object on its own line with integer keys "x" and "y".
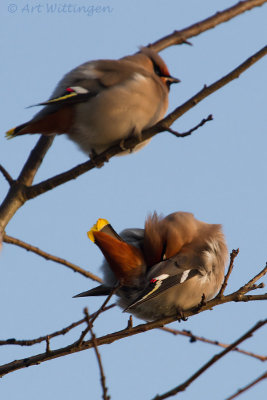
{"x": 103, "y": 102}
{"x": 164, "y": 268}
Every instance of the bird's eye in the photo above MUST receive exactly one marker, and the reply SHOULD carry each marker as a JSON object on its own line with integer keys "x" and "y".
{"x": 157, "y": 69}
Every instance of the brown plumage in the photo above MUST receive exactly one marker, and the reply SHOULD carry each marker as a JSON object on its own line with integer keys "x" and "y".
{"x": 125, "y": 260}
{"x": 179, "y": 259}
{"x": 102, "y": 102}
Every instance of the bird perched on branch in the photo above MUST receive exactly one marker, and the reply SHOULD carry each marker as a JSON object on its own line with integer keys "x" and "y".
{"x": 103, "y": 102}
{"x": 163, "y": 269}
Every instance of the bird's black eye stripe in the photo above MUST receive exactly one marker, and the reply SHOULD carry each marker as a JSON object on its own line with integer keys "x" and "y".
{"x": 156, "y": 68}
{"x": 163, "y": 255}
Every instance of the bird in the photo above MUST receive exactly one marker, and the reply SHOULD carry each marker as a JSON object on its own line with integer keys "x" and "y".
{"x": 101, "y": 103}
{"x": 164, "y": 269}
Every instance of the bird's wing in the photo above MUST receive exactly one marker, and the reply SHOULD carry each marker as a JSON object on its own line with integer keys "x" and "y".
{"x": 71, "y": 95}
{"x": 160, "y": 283}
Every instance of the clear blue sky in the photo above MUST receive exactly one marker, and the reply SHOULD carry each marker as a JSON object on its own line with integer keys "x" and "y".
{"x": 219, "y": 174}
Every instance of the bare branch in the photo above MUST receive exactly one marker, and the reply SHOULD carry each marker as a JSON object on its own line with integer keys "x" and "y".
{"x": 6, "y": 175}
{"x": 15, "y": 197}
{"x": 110, "y": 338}
{"x": 31, "y": 342}
{"x": 212, "y": 361}
{"x": 194, "y": 338}
{"x": 177, "y": 134}
{"x": 179, "y": 37}
{"x": 47, "y": 344}
{"x": 35, "y": 159}
{"x": 233, "y": 255}
{"x": 47, "y": 256}
{"x": 205, "y": 92}
{"x": 131, "y": 142}
{"x": 101, "y": 369}
{"x": 244, "y": 389}
{"x": 251, "y": 284}
{"x": 113, "y": 291}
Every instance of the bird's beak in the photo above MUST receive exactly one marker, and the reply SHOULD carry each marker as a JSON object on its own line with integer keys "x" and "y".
{"x": 171, "y": 80}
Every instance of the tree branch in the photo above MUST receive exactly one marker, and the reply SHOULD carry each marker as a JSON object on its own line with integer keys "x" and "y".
{"x": 6, "y": 175}
{"x": 15, "y": 197}
{"x": 233, "y": 255}
{"x": 179, "y": 37}
{"x": 188, "y": 133}
{"x": 194, "y": 338}
{"x": 101, "y": 369}
{"x": 47, "y": 256}
{"x": 130, "y": 331}
{"x": 31, "y": 342}
{"x": 244, "y": 389}
{"x": 212, "y": 361}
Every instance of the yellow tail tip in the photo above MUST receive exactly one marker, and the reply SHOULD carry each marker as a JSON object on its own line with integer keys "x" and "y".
{"x": 97, "y": 227}
{"x": 10, "y": 133}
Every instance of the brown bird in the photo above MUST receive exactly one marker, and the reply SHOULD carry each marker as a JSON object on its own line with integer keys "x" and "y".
{"x": 102, "y": 102}
{"x": 164, "y": 268}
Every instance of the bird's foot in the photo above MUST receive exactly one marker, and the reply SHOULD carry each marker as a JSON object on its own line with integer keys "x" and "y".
{"x": 93, "y": 155}
{"x": 180, "y": 315}
{"x": 201, "y": 304}
{"x": 121, "y": 144}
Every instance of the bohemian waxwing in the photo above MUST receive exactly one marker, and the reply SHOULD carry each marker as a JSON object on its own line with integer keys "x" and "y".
{"x": 164, "y": 268}
{"x": 103, "y": 102}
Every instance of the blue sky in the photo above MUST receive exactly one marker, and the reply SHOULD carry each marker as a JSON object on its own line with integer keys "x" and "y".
{"x": 218, "y": 173}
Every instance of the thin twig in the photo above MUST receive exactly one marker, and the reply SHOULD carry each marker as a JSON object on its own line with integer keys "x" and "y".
{"x": 184, "y": 134}
{"x": 212, "y": 361}
{"x": 96, "y": 314}
{"x": 6, "y": 175}
{"x": 101, "y": 369}
{"x": 47, "y": 344}
{"x": 113, "y": 291}
{"x": 48, "y": 256}
{"x": 31, "y": 342}
{"x": 233, "y": 255}
{"x": 132, "y": 141}
{"x": 245, "y": 388}
{"x": 250, "y": 285}
{"x": 194, "y": 338}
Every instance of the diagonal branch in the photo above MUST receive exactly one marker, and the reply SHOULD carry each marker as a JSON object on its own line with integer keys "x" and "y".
{"x": 212, "y": 361}
{"x": 244, "y": 389}
{"x": 15, "y": 197}
{"x": 250, "y": 285}
{"x": 233, "y": 255}
{"x": 129, "y": 331}
{"x": 131, "y": 142}
{"x": 31, "y": 342}
{"x": 179, "y": 37}
{"x": 194, "y": 338}
{"x": 48, "y": 256}
{"x": 6, "y": 175}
